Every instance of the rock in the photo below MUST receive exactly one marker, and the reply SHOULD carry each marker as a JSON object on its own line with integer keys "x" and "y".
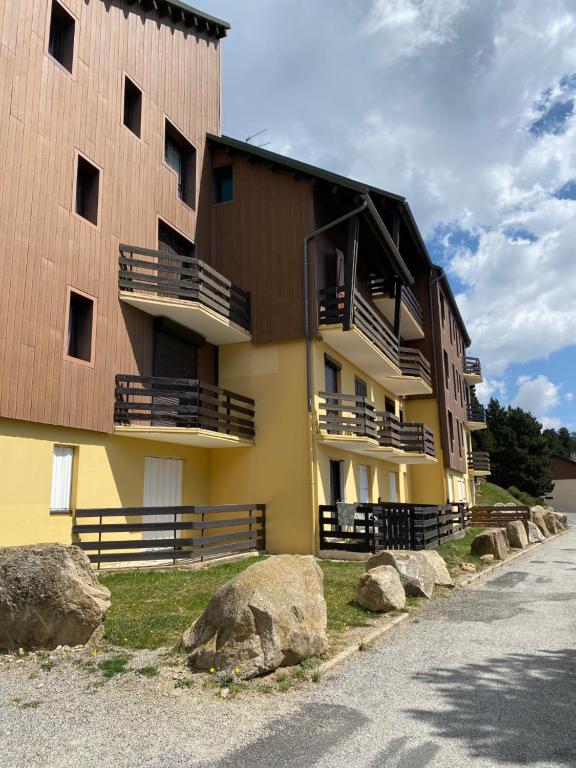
{"x": 551, "y": 522}
{"x": 49, "y": 597}
{"x": 442, "y": 576}
{"x": 533, "y": 533}
{"x": 491, "y": 542}
{"x": 537, "y": 515}
{"x": 416, "y": 573}
{"x": 561, "y": 521}
{"x": 487, "y": 558}
{"x": 381, "y": 590}
{"x": 468, "y": 567}
{"x": 271, "y": 615}
{"x": 517, "y": 535}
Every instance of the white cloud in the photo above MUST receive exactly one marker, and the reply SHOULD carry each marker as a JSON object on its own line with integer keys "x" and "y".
{"x": 537, "y": 395}
{"x": 491, "y": 388}
{"x": 569, "y": 397}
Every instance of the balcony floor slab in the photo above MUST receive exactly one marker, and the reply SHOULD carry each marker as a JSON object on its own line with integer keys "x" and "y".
{"x": 196, "y": 438}
{"x": 410, "y": 328}
{"x": 358, "y": 348}
{"x": 351, "y": 443}
{"x": 473, "y": 426}
{"x": 397, "y": 456}
{"x": 472, "y": 378}
{"x": 407, "y": 385}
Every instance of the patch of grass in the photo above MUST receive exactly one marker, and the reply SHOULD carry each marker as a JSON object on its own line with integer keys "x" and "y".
{"x": 34, "y": 704}
{"x": 488, "y": 494}
{"x": 115, "y": 665}
{"x": 340, "y": 581}
{"x": 458, "y": 551}
{"x": 47, "y": 664}
{"x": 523, "y": 497}
{"x": 185, "y": 682}
{"x": 148, "y": 671}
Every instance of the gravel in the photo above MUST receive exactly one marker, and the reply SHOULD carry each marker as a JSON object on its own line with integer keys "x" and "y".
{"x": 484, "y": 677}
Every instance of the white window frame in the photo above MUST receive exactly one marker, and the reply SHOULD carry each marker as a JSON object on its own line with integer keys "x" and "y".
{"x": 62, "y": 479}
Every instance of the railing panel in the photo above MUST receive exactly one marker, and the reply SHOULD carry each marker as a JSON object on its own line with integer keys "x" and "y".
{"x": 413, "y": 363}
{"x": 479, "y": 461}
{"x": 472, "y": 366}
{"x": 381, "y": 288}
{"x": 186, "y": 403}
{"x": 169, "y": 275}
{"x": 406, "y": 436}
{"x": 476, "y": 412}
{"x": 342, "y": 414}
{"x": 497, "y": 517}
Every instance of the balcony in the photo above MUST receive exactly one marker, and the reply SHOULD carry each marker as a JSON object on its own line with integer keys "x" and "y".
{"x": 472, "y": 370}
{"x": 404, "y": 442}
{"x": 475, "y": 417}
{"x": 370, "y": 344}
{"x": 184, "y": 411}
{"x": 411, "y": 315}
{"x": 479, "y": 464}
{"x": 185, "y": 290}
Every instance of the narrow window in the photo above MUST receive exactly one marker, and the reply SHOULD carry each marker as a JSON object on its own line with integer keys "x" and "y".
{"x": 446, "y": 369}
{"x": 180, "y": 155}
{"x": 390, "y": 406}
{"x": 224, "y": 184}
{"x": 455, "y": 382}
{"x": 360, "y": 387}
{"x": 451, "y": 430}
{"x": 132, "y": 106}
{"x": 458, "y": 430}
{"x": 336, "y": 485}
{"x": 331, "y": 374}
{"x": 61, "y": 36}
{"x": 80, "y": 327}
{"x": 61, "y": 493}
{"x": 87, "y": 190}
{"x": 442, "y": 310}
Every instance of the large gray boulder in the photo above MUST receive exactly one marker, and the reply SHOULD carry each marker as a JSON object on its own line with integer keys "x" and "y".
{"x": 516, "y": 535}
{"x": 271, "y": 615}
{"x": 49, "y": 596}
{"x": 534, "y": 534}
{"x": 491, "y": 542}
{"x": 442, "y": 576}
{"x": 551, "y": 522}
{"x": 381, "y": 590}
{"x": 538, "y": 516}
{"x": 416, "y": 574}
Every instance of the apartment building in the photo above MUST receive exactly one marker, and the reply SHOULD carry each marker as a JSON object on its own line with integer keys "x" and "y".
{"x": 187, "y": 319}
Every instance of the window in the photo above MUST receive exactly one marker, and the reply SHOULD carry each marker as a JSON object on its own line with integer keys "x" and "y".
{"x": 390, "y": 406}
{"x": 87, "y": 190}
{"x": 171, "y": 241}
{"x": 336, "y": 486}
{"x": 455, "y": 382}
{"x": 451, "y": 429}
{"x": 80, "y": 334}
{"x": 331, "y": 374}
{"x": 132, "y": 117}
{"x": 61, "y": 36}
{"x": 180, "y": 155}
{"x": 446, "y": 369}
{"x": 360, "y": 387}
{"x": 442, "y": 310}
{"x": 62, "y": 463}
{"x": 224, "y": 184}
{"x": 451, "y": 328}
{"x": 459, "y": 431}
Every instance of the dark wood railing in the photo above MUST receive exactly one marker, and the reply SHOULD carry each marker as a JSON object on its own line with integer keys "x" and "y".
{"x": 472, "y": 366}
{"x": 413, "y": 363}
{"x": 168, "y": 275}
{"x": 497, "y": 517}
{"x": 368, "y": 320}
{"x": 479, "y": 461}
{"x": 406, "y": 436}
{"x": 347, "y": 415}
{"x": 379, "y": 288}
{"x": 476, "y": 412}
{"x": 392, "y": 526}
{"x": 183, "y": 533}
{"x": 186, "y": 403}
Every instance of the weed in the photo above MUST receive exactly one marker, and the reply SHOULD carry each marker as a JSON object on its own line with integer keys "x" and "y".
{"x": 148, "y": 671}
{"x": 47, "y": 664}
{"x": 185, "y": 682}
{"x": 115, "y": 665}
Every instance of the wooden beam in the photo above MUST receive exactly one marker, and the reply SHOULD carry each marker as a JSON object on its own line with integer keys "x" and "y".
{"x": 396, "y": 229}
{"x": 350, "y": 271}
{"x": 398, "y": 287}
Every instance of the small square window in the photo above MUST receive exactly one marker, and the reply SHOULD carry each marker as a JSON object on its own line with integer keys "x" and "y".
{"x": 224, "y": 184}
{"x": 132, "y": 117}
{"x": 61, "y": 36}
{"x": 80, "y": 327}
{"x": 180, "y": 155}
{"x": 87, "y": 190}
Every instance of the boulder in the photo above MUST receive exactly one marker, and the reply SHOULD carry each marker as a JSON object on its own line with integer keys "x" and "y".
{"x": 416, "y": 573}
{"x": 561, "y": 521}
{"x": 49, "y": 596}
{"x": 537, "y": 515}
{"x": 491, "y": 542}
{"x": 442, "y": 576}
{"x": 468, "y": 567}
{"x": 516, "y": 535}
{"x": 487, "y": 559}
{"x": 381, "y": 590}
{"x": 271, "y": 615}
{"x": 533, "y": 533}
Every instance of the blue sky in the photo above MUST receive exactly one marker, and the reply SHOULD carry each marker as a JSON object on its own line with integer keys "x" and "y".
{"x": 466, "y": 107}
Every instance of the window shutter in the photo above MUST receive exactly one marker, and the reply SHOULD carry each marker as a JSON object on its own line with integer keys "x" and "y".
{"x": 60, "y": 498}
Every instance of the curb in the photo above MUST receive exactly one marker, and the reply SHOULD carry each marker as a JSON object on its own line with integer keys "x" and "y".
{"x": 369, "y": 637}
{"x": 487, "y": 571}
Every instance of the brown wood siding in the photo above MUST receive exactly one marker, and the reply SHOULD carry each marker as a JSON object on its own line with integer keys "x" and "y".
{"x": 563, "y": 469}
{"x": 257, "y": 243}
{"x": 46, "y": 116}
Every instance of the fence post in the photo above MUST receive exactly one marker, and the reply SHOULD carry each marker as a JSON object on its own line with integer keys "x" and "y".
{"x": 99, "y": 541}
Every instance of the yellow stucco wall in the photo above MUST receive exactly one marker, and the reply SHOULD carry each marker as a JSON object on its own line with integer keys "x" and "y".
{"x": 109, "y": 472}
{"x": 427, "y": 481}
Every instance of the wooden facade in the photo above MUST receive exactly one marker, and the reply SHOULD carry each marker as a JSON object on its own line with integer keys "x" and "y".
{"x": 50, "y": 116}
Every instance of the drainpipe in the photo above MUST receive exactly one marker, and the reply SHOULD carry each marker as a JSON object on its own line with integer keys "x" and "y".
{"x": 307, "y": 241}
{"x": 431, "y": 283}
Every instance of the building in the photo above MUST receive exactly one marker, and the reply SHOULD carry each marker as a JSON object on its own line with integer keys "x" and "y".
{"x": 187, "y": 319}
{"x": 563, "y": 496}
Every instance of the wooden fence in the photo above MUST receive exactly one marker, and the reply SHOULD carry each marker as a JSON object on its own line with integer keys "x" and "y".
{"x": 392, "y": 526}
{"x": 497, "y": 517}
{"x": 182, "y": 533}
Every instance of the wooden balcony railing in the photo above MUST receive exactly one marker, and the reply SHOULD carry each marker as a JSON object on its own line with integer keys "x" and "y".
{"x": 479, "y": 461}
{"x": 347, "y": 415}
{"x": 365, "y": 316}
{"x": 472, "y": 366}
{"x": 182, "y": 277}
{"x": 406, "y": 436}
{"x": 379, "y": 289}
{"x": 185, "y": 403}
{"x": 476, "y": 412}
{"x": 413, "y": 363}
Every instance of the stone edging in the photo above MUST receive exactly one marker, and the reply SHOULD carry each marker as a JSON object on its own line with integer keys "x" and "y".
{"x": 378, "y": 632}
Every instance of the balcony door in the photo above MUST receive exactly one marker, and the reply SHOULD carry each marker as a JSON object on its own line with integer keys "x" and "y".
{"x": 175, "y": 357}
{"x": 177, "y": 269}
{"x": 162, "y": 488}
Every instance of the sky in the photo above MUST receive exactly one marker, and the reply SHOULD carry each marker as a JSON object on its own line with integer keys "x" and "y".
{"x": 465, "y": 107}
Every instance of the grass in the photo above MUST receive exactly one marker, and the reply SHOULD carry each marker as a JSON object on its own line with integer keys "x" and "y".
{"x": 488, "y": 494}
{"x": 151, "y": 609}
{"x": 116, "y": 665}
{"x": 458, "y": 551}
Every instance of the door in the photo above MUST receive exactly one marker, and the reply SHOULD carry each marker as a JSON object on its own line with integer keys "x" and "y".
{"x": 162, "y": 488}
{"x": 336, "y": 486}
{"x": 363, "y": 484}
{"x": 393, "y": 480}
{"x": 332, "y": 384}
{"x": 175, "y": 357}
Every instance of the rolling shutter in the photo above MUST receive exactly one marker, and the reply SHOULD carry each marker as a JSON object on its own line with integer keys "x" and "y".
{"x": 62, "y": 462}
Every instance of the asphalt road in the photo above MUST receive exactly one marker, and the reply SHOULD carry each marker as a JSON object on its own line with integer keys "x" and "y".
{"x": 485, "y": 678}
